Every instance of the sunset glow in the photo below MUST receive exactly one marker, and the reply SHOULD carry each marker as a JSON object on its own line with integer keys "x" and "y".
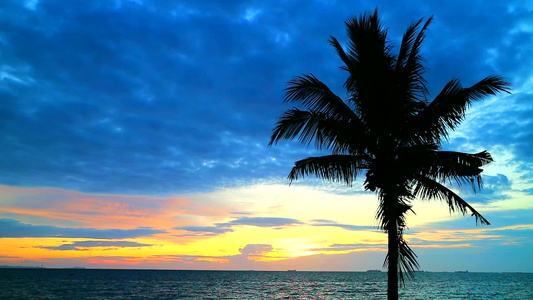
{"x": 135, "y": 135}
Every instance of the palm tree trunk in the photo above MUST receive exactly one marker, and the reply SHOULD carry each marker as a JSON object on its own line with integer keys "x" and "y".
{"x": 392, "y": 290}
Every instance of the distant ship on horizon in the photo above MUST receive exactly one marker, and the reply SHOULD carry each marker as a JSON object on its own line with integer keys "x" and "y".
{"x": 374, "y": 271}
{"x": 466, "y": 271}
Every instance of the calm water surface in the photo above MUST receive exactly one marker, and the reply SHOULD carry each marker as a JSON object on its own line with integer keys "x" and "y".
{"x": 149, "y": 284}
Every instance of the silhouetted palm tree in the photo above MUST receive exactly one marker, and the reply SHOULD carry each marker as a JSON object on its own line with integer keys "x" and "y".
{"x": 386, "y": 130}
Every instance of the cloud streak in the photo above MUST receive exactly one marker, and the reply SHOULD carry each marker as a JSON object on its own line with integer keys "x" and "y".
{"x": 274, "y": 222}
{"x": 86, "y": 245}
{"x": 329, "y": 223}
{"x": 16, "y": 229}
{"x": 350, "y": 247}
{"x": 221, "y": 228}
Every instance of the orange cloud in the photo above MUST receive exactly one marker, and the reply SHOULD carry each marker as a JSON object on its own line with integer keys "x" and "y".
{"x": 106, "y": 211}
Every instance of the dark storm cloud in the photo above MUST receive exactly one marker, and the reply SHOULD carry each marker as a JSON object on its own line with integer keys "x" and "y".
{"x": 167, "y": 96}
{"x": 13, "y": 228}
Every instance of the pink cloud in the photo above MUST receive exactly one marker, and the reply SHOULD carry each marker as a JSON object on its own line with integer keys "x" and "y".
{"x": 103, "y": 211}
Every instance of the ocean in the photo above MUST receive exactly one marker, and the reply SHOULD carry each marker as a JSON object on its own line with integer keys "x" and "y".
{"x": 162, "y": 284}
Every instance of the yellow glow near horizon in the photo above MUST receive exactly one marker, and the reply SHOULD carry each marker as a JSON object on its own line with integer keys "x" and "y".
{"x": 244, "y": 242}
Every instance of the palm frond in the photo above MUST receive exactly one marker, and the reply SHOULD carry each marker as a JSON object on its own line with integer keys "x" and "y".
{"x": 446, "y": 166}
{"x": 338, "y": 135}
{"x": 370, "y": 59}
{"x": 414, "y": 53}
{"x": 460, "y": 167}
{"x": 348, "y": 61}
{"x": 366, "y": 34}
{"x": 408, "y": 40}
{"x": 479, "y": 159}
{"x": 414, "y": 69}
{"x": 316, "y": 96}
{"x": 448, "y": 109}
{"x": 427, "y": 188}
{"x": 350, "y": 65}
{"x": 490, "y": 85}
{"x": 339, "y": 168}
{"x": 408, "y": 260}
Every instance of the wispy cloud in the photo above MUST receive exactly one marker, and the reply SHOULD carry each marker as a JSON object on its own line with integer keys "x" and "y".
{"x": 220, "y": 228}
{"x": 204, "y": 230}
{"x": 274, "y": 222}
{"x": 76, "y": 209}
{"x": 85, "y": 245}
{"x": 329, "y": 223}
{"x": 247, "y": 254}
{"x": 14, "y": 228}
{"x": 350, "y": 247}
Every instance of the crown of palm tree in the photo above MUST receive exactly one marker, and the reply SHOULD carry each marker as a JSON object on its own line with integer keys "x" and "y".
{"x": 386, "y": 129}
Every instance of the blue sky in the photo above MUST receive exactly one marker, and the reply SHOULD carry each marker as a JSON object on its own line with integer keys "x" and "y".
{"x": 144, "y": 106}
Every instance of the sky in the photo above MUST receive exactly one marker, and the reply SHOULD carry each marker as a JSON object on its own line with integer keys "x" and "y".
{"x": 134, "y": 134}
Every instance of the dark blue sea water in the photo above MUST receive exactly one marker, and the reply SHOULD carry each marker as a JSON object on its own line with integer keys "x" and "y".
{"x": 159, "y": 284}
